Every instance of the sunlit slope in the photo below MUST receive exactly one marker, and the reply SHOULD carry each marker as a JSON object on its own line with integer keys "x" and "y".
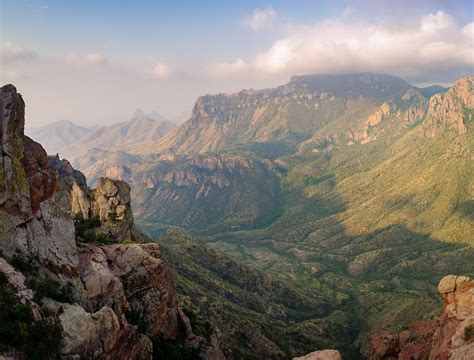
{"x": 286, "y": 115}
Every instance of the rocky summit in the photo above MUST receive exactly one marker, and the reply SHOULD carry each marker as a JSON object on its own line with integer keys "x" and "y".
{"x": 77, "y": 279}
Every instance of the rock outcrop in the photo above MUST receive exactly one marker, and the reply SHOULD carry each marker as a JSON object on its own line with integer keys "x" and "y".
{"x": 447, "y": 110}
{"x": 121, "y": 297}
{"x": 100, "y": 334}
{"x": 131, "y": 278}
{"x": 110, "y": 202}
{"x": 450, "y": 337}
{"x": 34, "y": 216}
{"x": 321, "y": 355}
{"x": 453, "y": 340}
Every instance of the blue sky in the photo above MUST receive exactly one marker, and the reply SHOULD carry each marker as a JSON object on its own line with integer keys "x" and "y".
{"x": 115, "y": 56}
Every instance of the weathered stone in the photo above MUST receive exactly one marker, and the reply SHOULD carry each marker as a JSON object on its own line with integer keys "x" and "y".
{"x": 321, "y": 355}
{"x": 384, "y": 345}
{"x": 98, "y": 335}
{"x": 447, "y": 110}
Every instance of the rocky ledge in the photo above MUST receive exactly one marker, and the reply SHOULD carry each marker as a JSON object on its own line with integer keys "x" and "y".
{"x": 450, "y": 337}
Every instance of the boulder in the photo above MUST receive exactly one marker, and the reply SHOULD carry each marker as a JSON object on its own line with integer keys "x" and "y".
{"x": 321, "y": 355}
{"x": 98, "y": 335}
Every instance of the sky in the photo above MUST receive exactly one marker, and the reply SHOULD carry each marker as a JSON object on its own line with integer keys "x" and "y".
{"x": 95, "y": 62}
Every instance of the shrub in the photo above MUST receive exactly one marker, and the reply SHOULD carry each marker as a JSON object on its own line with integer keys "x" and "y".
{"x": 469, "y": 332}
{"x": 40, "y": 340}
{"x": 104, "y": 239}
{"x": 135, "y": 317}
{"x": 44, "y": 340}
{"x": 82, "y": 225}
{"x": 22, "y": 262}
{"x": 200, "y": 326}
{"x": 86, "y": 231}
{"x": 172, "y": 350}
{"x": 3, "y": 279}
{"x": 50, "y": 288}
{"x": 13, "y": 332}
{"x": 113, "y": 216}
{"x": 89, "y": 235}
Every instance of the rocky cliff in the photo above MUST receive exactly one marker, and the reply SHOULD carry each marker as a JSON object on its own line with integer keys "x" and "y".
{"x": 286, "y": 114}
{"x": 449, "y": 337}
{"x": 452, "y": 108}
{"x": 74, "y": 271}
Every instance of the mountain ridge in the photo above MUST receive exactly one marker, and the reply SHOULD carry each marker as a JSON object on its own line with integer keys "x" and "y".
{"x": 139, "y": 129}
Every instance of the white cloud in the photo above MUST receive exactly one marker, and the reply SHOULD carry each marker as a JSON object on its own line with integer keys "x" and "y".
{"x": 434, "y": 43}
{"x": 44, "y": 7}
{"x": 10, "y": 53}
{"x": 229, "y": 68}
{"x": 161, "y": 71}
{"x": 86, "y": 59}
{"x": 433, "y": 23}
{"x": 468, "y": 30}
{"x": 261, "y": 18}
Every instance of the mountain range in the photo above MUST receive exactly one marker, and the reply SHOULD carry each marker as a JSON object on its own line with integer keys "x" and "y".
{"x": 342, "y": 199}
{"x": 69, "y": 139}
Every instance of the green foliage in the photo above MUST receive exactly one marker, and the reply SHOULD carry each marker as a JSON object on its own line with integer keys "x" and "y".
{"x": 365, "y": 231}
{"x": 44, "y": 340}
{"x": 128, "y": 242}
{"x": 50, "y": 288}
{"x": 172, "y": 350}
{"x": 86, "y": 231}
{"x": 22, "y": 262}
{"x": 39, "y": 340}
{"x": 200, "y": 326}
{"x": 3, "y": 279}
{"x": 82, "y": 225}
{"x": 135, "y": 317}
{"x": 113, "y": 216}
{"x": 104, "y": 239}
{"x": 469, "y": 332}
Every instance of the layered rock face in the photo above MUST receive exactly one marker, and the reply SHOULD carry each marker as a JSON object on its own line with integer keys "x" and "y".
{"x": 447, "y": 110}
{"x": 34, "y": 213}
{"x": 450, "y": 337}
{"x": 110, "y": 202}
{"x": 114, "y": 288}
{"x": 288, "y": 113}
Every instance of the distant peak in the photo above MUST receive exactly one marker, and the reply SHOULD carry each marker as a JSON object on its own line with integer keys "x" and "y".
{"x": 153, "y": 115}
{"x": 139, "y": 113}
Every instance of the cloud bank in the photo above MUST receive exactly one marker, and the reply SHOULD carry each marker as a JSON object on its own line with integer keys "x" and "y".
{"x": 10, "y": 53}
{"x": 433, "y": 43}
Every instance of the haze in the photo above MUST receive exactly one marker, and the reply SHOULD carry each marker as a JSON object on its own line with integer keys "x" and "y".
{"x": 96, "y": 62}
